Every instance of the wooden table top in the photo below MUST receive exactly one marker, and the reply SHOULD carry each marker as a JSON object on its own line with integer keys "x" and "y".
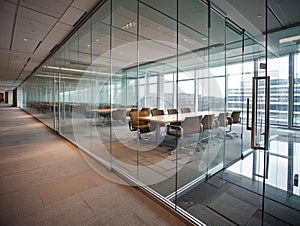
{"x": 166, "y": 119}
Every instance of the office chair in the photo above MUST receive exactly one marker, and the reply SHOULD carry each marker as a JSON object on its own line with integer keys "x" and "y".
{"x": 222, "y": 121}
{"x": 190, "y": 126}
{"x": 147, "y": 110}
{"x": 208, "y": 126}
{"x": 105, "y": 116}
{"x": 185, "y": 110}
{"x": 234, "y": 119}
{"x": 156, "y": 112}
{"x": 136, "y": 123}
{"x": 173, "y": 112}
{"x": 91, "y": 114}
{"x": 119, "y": 115}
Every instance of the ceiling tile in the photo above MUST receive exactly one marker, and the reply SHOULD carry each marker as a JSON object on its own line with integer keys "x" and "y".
{"x": 4, "y": 62}
{"x": 4, "y": 42}
{"x": 16, "y": 66}
{"x": 9, "y": 74}
{"x": 71, "y": 16}
{"x": 86, "y": 5}
{"x": 24, "y": 46}
{"x": 30, "y": 66}
{"x": 68, "y": 2}
{"x": 33, "y": 25}
{"x": 36, "y": 16}
{"x": 49, "y": 7}
{"x": 59, "y": 32}
{"x": 7, "y": 12}
{"x": 7, "y": 7}
{"x": 27, "y": 31}
{"x": 18, "y": 58}
{"x": 13, "y": 1}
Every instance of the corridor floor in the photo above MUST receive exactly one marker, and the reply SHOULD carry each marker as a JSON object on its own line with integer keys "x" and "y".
{"x": 44, "y": 180}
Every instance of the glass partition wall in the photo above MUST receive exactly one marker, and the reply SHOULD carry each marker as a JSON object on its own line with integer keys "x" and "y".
{"x": 281, "y": 165}
{"x": 133, "y": 56}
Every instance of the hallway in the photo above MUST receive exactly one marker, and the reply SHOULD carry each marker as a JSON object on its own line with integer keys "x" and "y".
{"x": 46, "y": 180}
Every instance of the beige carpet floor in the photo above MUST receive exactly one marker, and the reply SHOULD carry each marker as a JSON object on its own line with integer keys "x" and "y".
{"x": 44, "y": 180}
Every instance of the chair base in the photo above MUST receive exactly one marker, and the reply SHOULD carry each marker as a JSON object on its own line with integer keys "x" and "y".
{"x": 233, "y": 134}
{"x": 184, "y": 149}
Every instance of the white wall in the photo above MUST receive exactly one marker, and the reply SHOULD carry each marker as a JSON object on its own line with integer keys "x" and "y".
{"x": 10, "y": 97}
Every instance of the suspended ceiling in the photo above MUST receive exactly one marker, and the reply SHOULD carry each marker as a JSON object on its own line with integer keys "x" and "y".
{"x": 29, "y": 29}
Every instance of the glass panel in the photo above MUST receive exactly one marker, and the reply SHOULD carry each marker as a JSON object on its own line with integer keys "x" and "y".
{"x": 202, "y": 89}
{"x": 216, "y": 93}
{"x": 157, "y": 45}
{"x": 168, "y": 7}
{"x": 296, "y": 79}
{"x": 38, "y": 93}
{"x": 235, "y": 78}
{"x": 124, "y": 143}
{"x": 99, "y": 85}
{"x": 180, "y": 59}
{"x": 278, "y": 70}
{"x": 281, "y": 168}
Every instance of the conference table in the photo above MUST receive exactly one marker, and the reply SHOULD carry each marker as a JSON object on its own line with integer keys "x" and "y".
{"x": 108, "y": 110}
{"x": 173, "y": 118}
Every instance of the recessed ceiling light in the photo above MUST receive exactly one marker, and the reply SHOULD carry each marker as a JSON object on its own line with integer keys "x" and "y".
{"x": 259, "y": 16}
{"x": 25, "y": 39}
{"x": 89, "y": 45}
{"x": 97, "y": 40}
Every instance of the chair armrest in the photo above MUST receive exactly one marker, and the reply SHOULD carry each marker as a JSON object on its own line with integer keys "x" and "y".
{"x": 130, "y": 126}
{"x": 173, "y": 127}
{"x": 229, "y": 120}
{"x": 201, "y": 128}
{"x": 176, "y": 128}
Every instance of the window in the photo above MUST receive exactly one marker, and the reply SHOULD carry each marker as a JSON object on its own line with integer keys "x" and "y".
{"x": 296, "y": 113}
